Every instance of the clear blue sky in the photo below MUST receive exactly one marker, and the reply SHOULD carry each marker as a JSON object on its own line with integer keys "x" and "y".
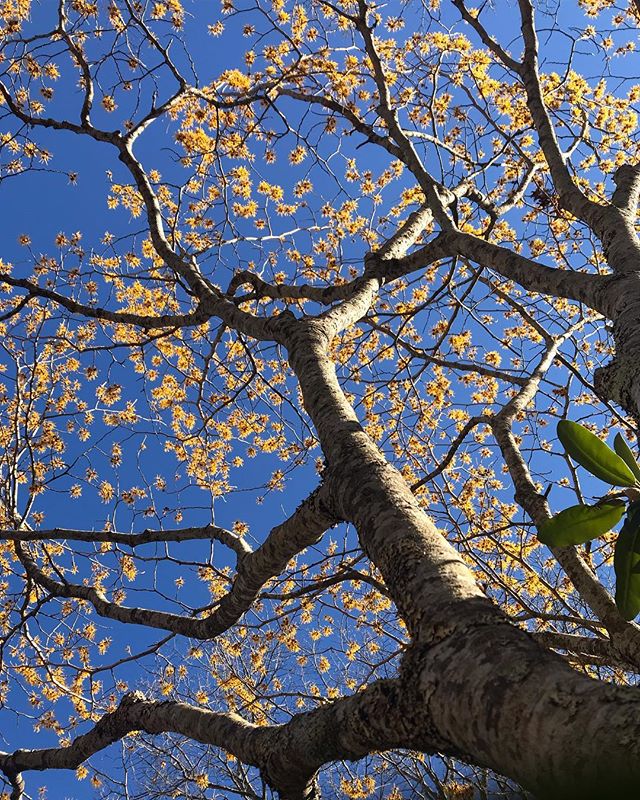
{"x": 43, "y": 204}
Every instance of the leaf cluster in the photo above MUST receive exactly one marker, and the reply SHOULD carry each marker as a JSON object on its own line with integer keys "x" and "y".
{"x": 582, "y": 523}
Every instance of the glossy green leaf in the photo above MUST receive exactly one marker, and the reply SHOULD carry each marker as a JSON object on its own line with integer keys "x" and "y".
{"x": 626, "y": 454}
{"x": 626, "y": 561}
{"x": 594, "y": 455}
{"x": 581, "y": 523}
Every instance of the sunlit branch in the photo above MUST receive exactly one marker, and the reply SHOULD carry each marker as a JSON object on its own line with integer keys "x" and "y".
{"x": 586, "y": 649}
{"x": 515, "y": 196}
{"x": 530, "y": 275}
{"x": 469, "y": 425}
{"x": 344, "y": 575}
{"x": 406, "y": 236}
{"x": 582, "y": 645}
{"x": 287, "y": 756}
{"x": 627, "y": 192}
{"x": 272, "y": 237}
{"x": 626, "y": 636}
{"x": 85, "y": 129}
{"x": 282, "y": 291}
{"x": 395, "y": 247}
{"x": 156, "y": 111}
{"x": 438, "y": 197}
{"x": 187, "y": 268}
{"x": 462, "y": 366}
{"x": 502, "y": 419}
{"x": 578, "y": 286}
{"x": 612, "y": 224}
{"x": 211, "y": 302}
{"x": 488, "y": 41}
{"x": 570, "y": 195}
{"x": 303, "y": 529}
{"x": 148, "y": 322}
{"x": 76, "y": 51}
{"x": 358, "y": 124}
{"x": 136, "y": 656}
{"x": 226, "y": 537}
{"x": 381, "y": 267}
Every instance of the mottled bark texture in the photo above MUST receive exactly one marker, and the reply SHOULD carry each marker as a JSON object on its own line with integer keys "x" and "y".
{"x": 287, "y": 755}
{"x": 619, "y": 381}
{"x": 471, "y": 684}
{"x": 478, "y": 688}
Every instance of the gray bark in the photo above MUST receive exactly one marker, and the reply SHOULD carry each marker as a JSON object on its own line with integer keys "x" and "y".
{"x": 482, "y": 689}
{"x": 471, "y": 684}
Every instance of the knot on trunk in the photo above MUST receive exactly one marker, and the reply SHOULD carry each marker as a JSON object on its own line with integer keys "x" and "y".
{"x": 309, "y": 790}
{"x": 615, "y": 383}
{"x": 626, "y": 179}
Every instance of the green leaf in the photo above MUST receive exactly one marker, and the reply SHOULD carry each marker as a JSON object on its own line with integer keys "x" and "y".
{"x": 626, "y": 454}
{"x": 626, "y": 559}
{"x": 581, "y": 523}
{"x": 594, "y": 455}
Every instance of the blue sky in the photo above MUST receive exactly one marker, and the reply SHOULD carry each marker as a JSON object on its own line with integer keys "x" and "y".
{"x": 43, "y": 204}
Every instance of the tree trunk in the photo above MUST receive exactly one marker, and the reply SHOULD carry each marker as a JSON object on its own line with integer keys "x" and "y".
{"x": 619, "y": 381}
{"x": 475, "y": 686}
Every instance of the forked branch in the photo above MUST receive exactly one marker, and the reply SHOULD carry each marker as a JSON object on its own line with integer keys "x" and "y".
{"x": 303, "y": 529}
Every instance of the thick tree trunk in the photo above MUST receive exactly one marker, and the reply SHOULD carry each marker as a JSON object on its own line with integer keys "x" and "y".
{"x": 502, "y": 702}
{"x": 619, "y": 381}
{"x": 475, "y": 686}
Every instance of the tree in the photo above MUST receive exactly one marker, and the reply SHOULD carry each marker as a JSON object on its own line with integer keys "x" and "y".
{"x": 372, "y": 253}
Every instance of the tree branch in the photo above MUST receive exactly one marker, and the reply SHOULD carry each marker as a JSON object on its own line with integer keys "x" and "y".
{"x": 226, "y": 537}
{"x": 304, "y": 528}
{"x": 287, "y": 756}
{"x": 196, "y": 317}
{"x": 577, "y": 286}
{"x": 625, "y": 636}
{"x": 437, "y": 196}
{"x": 571, "y": 197}
{"x": 488, "y": 41}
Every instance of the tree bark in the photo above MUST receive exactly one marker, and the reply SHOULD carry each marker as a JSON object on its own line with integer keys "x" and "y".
{"x": 619, "y": 380}
{"x": 477, "y": 686}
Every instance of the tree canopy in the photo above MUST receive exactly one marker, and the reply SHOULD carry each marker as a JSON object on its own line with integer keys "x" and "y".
{"x": 315, "y": 319}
